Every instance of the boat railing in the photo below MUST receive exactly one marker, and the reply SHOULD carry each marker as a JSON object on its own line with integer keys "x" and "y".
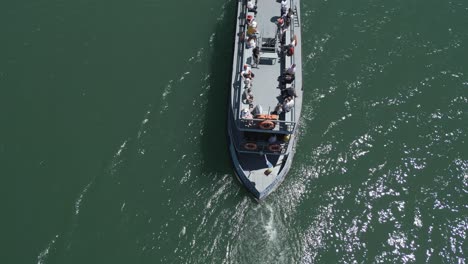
{"x": 240, "y": 56}
{"x": 255, "y": 125}
{"x": 243, "y": 145}
{"x": 292, "y": 58}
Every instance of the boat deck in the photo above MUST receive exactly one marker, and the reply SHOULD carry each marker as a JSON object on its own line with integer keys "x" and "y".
{"x": 265, "y": 85}
{"x": 266, "y": 91}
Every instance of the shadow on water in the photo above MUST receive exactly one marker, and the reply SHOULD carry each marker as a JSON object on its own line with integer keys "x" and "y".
{"x": 214, "y": 141}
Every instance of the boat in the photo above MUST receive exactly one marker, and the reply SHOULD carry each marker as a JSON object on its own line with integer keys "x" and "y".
{"x": 266, "y": 93}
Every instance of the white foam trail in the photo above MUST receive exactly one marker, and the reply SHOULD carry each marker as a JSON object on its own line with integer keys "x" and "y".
{"x": 115, "y": 160}
{"x": 212, "y": 39}
{"x": 183, "y": 76}
{"x": 182, "y": 231}
{"x": 120, "y": 149}
{"x": 168, "y": 89}
{"x": 143, "y": 123}
{"x": 80, "y": 198}
{"x": 270, "y": 228}
{"x": 42, "y": 257}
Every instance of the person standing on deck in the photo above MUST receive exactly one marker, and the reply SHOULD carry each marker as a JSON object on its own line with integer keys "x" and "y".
{"x": 256, "y": 57}
{"x": 282, "y": 28}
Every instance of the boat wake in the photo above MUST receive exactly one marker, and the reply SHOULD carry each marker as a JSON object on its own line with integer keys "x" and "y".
{"x": 45, "y": 253}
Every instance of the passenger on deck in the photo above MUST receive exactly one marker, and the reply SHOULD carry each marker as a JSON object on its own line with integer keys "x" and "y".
{"x": 284, "y": 6}
{"x": 245, "y": 114}
{"x": 247, "y": 73}
{"x": 289, "y": 49}
{"x": 290, "y": 13}
{"x": 287, "y": 78}
{"x": 249, "y": 96}
{"x": 256, "y": 57}
{"x": 251, "y": 7}
{"x": 247, "y": 82}
{"x": 291, "y": 70}
{"x": 272, "y": 139}
{"x": 252, "y": 29}
{"x": 294, "y": 40}
{"x": 281, "y": 29}
{"x": 278, "y": 109}
{"x": 288, "y": 104}
{"x": 251, "y": 42}
{"x": 288, "y": 92}
{"x": 285, "y": 24}
{"x": 280, "y": 22}
{"x": 287, "y": 17}
{"x": 250, "y": 20}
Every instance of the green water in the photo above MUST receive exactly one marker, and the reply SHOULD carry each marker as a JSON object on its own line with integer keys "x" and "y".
{"x": 113, "y": 145}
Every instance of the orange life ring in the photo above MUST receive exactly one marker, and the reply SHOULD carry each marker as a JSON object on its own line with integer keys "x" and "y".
{"x": 273, "y": 117}
{"x": 267, "y": 125}
{"x": 250, "y": 146}
{"x": 274, "y": 148}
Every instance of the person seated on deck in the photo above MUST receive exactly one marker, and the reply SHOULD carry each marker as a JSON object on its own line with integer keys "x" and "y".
{"x": 246, "y": 68}
{"x": 248, "y": 96}
{"x": 289, "y": 49}
{"x": 291, "y": 70}
{"x": 286, "y": 78}
{"x": 247, "y": 73}
{"x": 245, "y": 114}
{"x": 252, "y": 29}
{"x": 250, "y": 19}
{"x": 278, "y": 109}
{"x": 251, "y": 7}
{"x": 290, "y": 13}
{"x": 272, "y": 139}
{"x": 287, "y": 92}
{"x": 251, "y": 42}
{"x": 247, "y": 83}
{"x": 289, "y": 78}
{"x": 288, "y": 104}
